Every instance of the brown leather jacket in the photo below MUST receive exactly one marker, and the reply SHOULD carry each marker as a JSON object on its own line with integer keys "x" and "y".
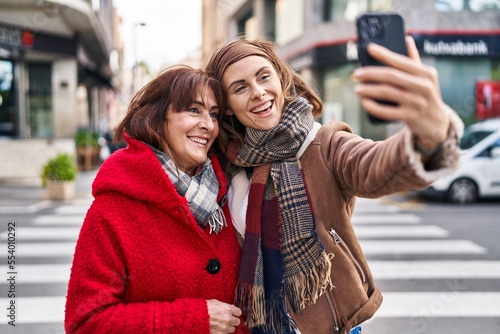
{"x": 338, "y": 167}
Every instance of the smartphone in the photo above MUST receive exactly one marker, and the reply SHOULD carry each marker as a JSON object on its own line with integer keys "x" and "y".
{"x": 386, "y": 29}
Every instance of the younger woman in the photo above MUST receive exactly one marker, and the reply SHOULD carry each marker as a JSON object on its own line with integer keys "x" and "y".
{"x": 294, "y": 182}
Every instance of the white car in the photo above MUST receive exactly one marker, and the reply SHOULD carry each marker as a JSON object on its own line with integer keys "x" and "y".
{"x": 478, "y": 175}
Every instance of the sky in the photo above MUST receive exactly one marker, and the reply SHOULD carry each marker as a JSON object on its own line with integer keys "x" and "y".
{"x": 172, "y": 31}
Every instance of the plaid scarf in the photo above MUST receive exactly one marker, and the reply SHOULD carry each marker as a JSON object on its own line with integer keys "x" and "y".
{"x": 200, "y": 191}
{"x": 282, "y": 256}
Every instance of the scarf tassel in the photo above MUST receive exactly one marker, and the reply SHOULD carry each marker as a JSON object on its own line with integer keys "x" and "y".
{"x": 306, "y": 287}
{"x": 261, "y": 313}
{"x": 275, "y": 311}
{"x": 250, "y": 298}
{"x": 217, "y": 220}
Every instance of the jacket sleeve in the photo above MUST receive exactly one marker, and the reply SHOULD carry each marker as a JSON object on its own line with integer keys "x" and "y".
{"x": 95, "y": 299}
{"x": 365, "y": 168}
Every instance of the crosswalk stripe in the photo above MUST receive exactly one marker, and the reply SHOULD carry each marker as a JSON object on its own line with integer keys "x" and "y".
{"x": 399, "y": 218}
{"x": 395, "y": 305}
{"x": 429, "y": 231}
{"x": 31, "y": 310}
{"x": 440, "y": 304}
{"x": 431, "y": 247}
{"x": 72, "y": 209}
{"x": 85, "y": 201}
{"x": 59, "y": 273}
{"x": 58, "y": 220}
{"x": 46, "y": 249}
{"x": 26, "y": 208}
{"x": 435, "y": 269}
{"x": 42, "y": 273}
{"x": 375, "y": 208}
{"x": 44, "y": 233}
{"x": 368, "y": 202}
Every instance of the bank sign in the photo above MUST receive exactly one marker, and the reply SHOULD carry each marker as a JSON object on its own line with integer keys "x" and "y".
{"x": 14, "y": 37}
{"x": 480, "y": 45}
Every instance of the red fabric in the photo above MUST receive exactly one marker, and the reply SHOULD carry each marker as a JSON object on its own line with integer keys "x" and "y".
{"x": 140, "y": 260}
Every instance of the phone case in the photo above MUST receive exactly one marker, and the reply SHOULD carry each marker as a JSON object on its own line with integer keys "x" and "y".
{"x": 386, "y": 29}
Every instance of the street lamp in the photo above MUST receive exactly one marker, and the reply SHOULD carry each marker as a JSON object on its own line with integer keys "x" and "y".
{"x": 136, "y": 60}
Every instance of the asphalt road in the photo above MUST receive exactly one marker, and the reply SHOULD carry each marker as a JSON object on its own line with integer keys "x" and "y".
{"x": 438, "y": 265}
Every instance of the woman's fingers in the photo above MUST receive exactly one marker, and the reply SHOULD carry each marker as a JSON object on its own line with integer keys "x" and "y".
{"x": 394, "y": 84}
{"x": 390, "y": 58}
{"x": 406, "y": 73}
{"x": 224, "y": 318}
{"x": 411, "y": 64}
{"x": 413, "y": 87}
{"x": 412, "y": 49}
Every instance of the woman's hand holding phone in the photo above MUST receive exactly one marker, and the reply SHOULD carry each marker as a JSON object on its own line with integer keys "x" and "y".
{"x": 411, "y": 87}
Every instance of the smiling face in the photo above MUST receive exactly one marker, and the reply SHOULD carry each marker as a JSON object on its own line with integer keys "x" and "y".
{"x": 190, "y": 133}
{"x": 254, "y": 92}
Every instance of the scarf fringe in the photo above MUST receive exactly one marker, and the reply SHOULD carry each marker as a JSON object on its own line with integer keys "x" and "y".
{"x": 306, "y": 287}
{"x": 250, "y": 298}
{"x": 261, "y": 313}
{"x": 275, "y": 321}
{"x": 217, "y": 220}
{"x": 301, "y": 290}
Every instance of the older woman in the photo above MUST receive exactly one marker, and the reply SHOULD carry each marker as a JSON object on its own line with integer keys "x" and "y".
{"x": 157, "y": 252}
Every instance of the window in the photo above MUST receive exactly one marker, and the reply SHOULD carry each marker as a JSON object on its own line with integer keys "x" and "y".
{"x": 40, "y": 100}
{"x": 289, "y": 20}
{"x": 7, "y": 100}
{"x": 472, "y": 138}
{"x": 335, "y": 10}
{"x": 472, "y": 5}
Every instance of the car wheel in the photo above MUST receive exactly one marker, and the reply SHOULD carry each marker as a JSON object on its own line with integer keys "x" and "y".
{"x": 463, "y": 191}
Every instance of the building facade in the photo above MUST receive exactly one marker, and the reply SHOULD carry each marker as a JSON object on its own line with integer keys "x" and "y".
{"x": 318, "y": 38}
{"x": 57, "y": 60}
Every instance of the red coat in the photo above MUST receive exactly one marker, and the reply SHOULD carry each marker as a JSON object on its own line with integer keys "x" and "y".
{"x": 141, "y": 260}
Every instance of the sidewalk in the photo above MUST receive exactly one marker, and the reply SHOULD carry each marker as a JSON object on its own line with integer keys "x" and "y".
{"x": 29, "y": 195}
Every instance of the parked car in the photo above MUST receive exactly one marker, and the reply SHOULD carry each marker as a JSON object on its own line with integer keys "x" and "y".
{"x": 478, "y": 175}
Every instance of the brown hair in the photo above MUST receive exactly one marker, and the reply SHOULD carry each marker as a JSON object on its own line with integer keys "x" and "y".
{"x": 293, "y": 85}
{"x": 175, "y": 87}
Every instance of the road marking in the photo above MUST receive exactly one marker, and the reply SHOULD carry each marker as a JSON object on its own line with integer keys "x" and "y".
{"x": 58, "y": 220}
{"x": 27, "y": 208}
{"x": 406, "y": 205}
{"x": 42, "y": 273}
{"x": 368, "y": 201}
{"x": 83, "y": 201}
{"x": 375, "y": 209}
{"x": 37, "y": 309}
{"x": 435, "y": 269}
{"x": 412, "y": 231}
{"x": 47, "y": 249}
{"x": 72, "y": 209}
{"x": 45, "y": 233}
{"x": 431, "y": 247}
{"x": 451, "y": 303}
{"x": 395, "y": 305}
{"x": 399, "y": 218}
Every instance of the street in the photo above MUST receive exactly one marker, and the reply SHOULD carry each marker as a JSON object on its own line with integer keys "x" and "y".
{"x": 438, "y": 264}
{"x": 42, "y": 238}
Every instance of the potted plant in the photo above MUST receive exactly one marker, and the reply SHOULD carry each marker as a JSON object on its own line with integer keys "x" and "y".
{"x": 58, "y": 177}
{"x": 87, "y": 148}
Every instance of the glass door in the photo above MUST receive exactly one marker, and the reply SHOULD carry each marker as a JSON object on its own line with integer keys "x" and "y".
{"x": 40, "y": 100}
{"x": 8, "y": 119}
